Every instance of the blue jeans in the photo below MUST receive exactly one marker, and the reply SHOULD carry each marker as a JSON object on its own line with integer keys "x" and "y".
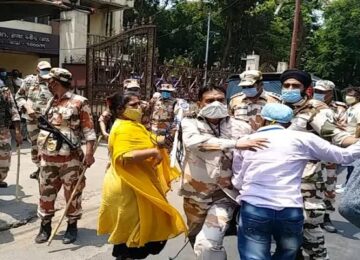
{"x": 257, "y": 226}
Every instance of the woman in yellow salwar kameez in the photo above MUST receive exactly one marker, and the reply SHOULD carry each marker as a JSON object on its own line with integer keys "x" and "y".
{"x": 134, "y": 210}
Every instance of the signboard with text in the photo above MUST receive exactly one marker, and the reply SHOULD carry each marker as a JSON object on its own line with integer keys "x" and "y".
{"x": 27, "y": 41}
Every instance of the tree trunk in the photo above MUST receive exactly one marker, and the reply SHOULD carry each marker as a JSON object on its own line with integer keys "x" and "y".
{"x": 229, "y": 29}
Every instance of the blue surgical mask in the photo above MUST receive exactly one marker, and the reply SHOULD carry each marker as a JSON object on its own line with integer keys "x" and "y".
{"x": 250, "y": 92}
{"x": 291, "y": 96}
{"x": 3, "y": 74}
{"x": 165, "y": 94}
{"x": 44, "y": 72}
{"x": 320, "y": 97}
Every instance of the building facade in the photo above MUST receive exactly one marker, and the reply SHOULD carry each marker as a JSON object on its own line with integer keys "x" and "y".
{"x": 60, "y": 37}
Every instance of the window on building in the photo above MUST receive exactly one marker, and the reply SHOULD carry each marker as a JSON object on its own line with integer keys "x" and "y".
{"x": 44, "y": 20}
{"x": 41, "y": 20}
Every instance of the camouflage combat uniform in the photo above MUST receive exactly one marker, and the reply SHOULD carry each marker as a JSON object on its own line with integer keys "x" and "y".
{"x": 339, "y": 109}
{"x": 249, "y": 110}
{"x": 71, "y": 114}
{"x": 315, "y": 116}
{"x": 353, "y": 118}
{"x": 208, "y": 194}
{"x": 162, "y": 115}
{"x": 9, "y": 84}
{"x": 105, "y": 116}
{"x": 8, "y": 114}
{"x": 36, "y": 95}
{"x": 145, "y": 107}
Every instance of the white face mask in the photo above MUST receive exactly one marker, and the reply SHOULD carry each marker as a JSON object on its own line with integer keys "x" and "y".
{"x": 214, "y": 110}
{"x": 350, "y": 100}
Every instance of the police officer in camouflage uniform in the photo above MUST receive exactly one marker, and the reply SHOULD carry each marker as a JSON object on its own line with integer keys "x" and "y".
{"x": 162, "y": 110}
{"x": 32, "y": 98}
{"x": 209, "y": 198}
{"x": 247, "y": 104}
{"x": 16, "y": 80}
{"x": 61, "y": 166}
{"x": 8, "y": 114}
{"x": 4, "y": 77}
{"x": 311, "y": 115}
{"x": 324, "y": 92}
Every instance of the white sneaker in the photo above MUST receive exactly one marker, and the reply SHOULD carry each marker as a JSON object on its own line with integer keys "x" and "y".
{"x": 340, "y": 190}
{"x": 339, "y": 186}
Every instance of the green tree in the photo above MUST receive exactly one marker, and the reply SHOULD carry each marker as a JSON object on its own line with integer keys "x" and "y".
{"x": 335, "y": 54}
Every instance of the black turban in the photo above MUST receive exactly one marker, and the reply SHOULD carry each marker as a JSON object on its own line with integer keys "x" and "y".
{"x": 302, "y": 76}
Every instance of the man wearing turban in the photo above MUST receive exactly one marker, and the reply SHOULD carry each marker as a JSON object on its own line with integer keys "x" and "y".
{"x": 312, "y": 115}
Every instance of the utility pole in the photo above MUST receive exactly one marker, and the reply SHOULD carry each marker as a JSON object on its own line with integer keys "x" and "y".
{"x": 295, "y": 33}
{"x": 207, "y": 49}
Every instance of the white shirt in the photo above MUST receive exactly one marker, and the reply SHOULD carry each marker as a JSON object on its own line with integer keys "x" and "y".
{"x": 271, "y": 177}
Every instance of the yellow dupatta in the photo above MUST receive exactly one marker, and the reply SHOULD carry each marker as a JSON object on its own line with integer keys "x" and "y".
{"x": 134, "y": 209}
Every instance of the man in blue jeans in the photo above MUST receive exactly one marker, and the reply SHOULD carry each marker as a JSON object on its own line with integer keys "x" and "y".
{"x": 269, "y": 184}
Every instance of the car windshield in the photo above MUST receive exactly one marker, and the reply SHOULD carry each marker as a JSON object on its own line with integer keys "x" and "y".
{"x": 232, "y": 88}
{"x": 273, "y": 86}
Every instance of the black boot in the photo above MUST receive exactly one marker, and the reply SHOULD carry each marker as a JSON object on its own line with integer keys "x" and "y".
{"x": 44, "y": 234}
{"x": 70, "y": 234}
{"x": 3, "y": 184}
{"x": 328, "y": 225}
{"x": 35, "y": 174}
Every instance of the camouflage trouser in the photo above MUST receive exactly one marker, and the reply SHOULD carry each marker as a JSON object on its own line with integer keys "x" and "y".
{"x": 33, "y": 132}
{"x": 23, "y": 127}
{"x": 207, "y": 224}
{"x": 5, "y": 152}
{"x": 314, "y": 210}
{"x": 330, "y": 186}
{"x": 60, "y": 171}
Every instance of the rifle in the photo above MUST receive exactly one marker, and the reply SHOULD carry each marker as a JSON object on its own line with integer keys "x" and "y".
{"x": 182, "y": 106}
{"x": 44, "y": 124}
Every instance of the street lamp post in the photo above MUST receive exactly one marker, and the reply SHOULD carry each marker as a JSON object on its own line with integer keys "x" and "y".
{"x": 294, "y": 39}
{"x": 207, "y": 49}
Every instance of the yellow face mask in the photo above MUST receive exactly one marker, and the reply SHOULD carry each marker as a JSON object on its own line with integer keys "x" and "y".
{"x": 134, "y": 114}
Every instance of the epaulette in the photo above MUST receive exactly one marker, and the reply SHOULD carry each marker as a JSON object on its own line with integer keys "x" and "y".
{"x": 274, "y": 95}
{"x": 30, "y": 78}
{"x": 240, "y": 94}
{"x": 192, "y": 115}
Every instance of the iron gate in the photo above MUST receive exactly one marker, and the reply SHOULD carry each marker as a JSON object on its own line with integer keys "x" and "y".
{"x": 188, "y": 80}
{"x": 128, "y": 54}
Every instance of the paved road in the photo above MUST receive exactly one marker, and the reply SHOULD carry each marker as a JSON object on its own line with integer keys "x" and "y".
{"x": 17, "y": 243}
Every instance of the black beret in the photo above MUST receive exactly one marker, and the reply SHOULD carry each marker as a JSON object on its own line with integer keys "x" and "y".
{"x": 302, "y": 76}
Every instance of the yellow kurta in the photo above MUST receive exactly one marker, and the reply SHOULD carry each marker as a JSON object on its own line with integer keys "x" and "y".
{"x": 134, "y": 209}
